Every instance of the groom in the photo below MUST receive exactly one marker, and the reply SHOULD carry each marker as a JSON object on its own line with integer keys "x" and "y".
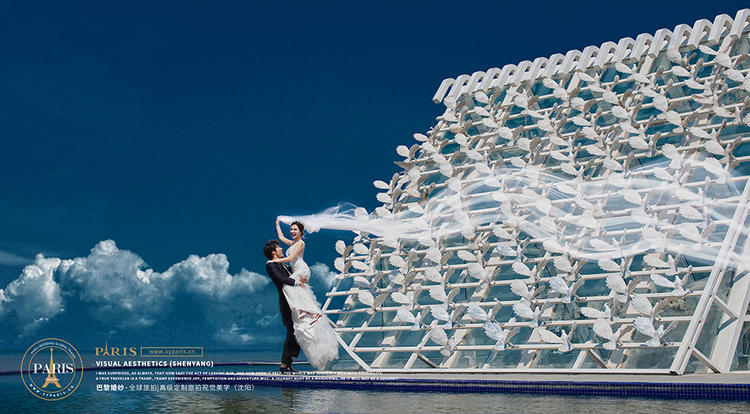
{"x": 280, "y": 276}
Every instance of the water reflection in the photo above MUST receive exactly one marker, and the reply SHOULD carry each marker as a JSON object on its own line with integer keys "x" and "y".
{"x": 299, "y": 400}
{"x": 382, "y": 402}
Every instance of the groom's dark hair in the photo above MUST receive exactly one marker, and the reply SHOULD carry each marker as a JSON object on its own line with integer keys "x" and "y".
{"x": 269, "y": 248}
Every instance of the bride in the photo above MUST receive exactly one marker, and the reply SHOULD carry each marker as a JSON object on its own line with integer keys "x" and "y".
{"x": 312, "y": 328}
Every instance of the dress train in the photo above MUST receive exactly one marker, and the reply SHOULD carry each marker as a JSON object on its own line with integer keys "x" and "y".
{"x": 312, "y": 328}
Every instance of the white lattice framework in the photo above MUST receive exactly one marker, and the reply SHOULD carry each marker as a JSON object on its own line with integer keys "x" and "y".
{"x": 584, "y": 115}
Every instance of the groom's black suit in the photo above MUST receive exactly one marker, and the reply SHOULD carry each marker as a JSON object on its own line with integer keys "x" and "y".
{"x": 280, "y": 276}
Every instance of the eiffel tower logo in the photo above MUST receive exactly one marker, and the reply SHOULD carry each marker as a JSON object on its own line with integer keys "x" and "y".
{"x": 51, "y": 378}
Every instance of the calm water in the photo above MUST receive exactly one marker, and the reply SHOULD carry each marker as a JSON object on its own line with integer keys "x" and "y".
{"x": 16, "y": 398}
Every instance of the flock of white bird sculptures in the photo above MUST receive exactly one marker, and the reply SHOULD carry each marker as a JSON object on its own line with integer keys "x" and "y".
{"x": 618, "y": 181}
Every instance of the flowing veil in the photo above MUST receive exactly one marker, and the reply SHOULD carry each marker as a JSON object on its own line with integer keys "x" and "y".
{"x": 651, "y": 207}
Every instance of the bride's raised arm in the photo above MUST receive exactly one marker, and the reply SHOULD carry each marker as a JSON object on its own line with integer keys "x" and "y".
{"x": 281, "y": 234}
{"x": 295, "y": 253}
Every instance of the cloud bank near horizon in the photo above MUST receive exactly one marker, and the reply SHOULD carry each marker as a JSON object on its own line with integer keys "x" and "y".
{"x": 113, "y": 293}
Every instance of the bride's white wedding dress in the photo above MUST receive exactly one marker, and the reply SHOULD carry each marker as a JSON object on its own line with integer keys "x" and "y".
{"x": 312, "y": 328}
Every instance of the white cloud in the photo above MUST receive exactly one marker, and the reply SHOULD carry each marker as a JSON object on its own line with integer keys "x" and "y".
{"x": 34, "y": 296}
{"x": 234, "y": 335}
{"x": 267, "y": 320}
{"x": 321, "y": 271}
{"x": 114, "y": 286}
{"x": 209, "y": 276}
{"x": 112, "y": 281}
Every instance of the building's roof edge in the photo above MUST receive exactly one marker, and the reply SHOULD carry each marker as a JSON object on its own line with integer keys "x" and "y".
{"x": 627, "y": 49}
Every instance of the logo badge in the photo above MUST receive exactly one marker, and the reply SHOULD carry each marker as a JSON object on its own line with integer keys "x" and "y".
{"x": 51, "y": 369}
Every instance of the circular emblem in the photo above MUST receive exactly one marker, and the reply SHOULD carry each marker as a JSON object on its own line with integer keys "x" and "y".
{"x": 51, "y": 369}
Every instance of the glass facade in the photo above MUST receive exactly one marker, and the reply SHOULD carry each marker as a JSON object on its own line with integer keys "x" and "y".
{"x": 630, "y": 256}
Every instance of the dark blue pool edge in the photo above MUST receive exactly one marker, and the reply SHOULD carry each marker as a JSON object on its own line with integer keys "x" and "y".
{"x": 680, "y": 390}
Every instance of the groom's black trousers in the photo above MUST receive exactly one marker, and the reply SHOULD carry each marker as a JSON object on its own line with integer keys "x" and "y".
{"x": 280, "y": 277}
{"x": 291, "y": 347}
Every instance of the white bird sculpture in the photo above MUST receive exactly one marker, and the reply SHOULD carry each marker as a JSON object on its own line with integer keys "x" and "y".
{"x": 397, "y": 261}
{"x": 360, "y": 248}
{"x": 605, "y": 313}
{"x": 646, "y": 326}
{"x": 522, "y": 310}
{"x": 563, "y": 341}
{"x": 476, "y": 312}
{"x": 642, "y": 306}
{"x": 340, "y": 247}
{"x": 521, "y": 268}
{"x": 433, "y": 254}
{"x": 610, "y": 265}
{"x": 339, "y": 264}
{"x": 366, "y": 298}
{"x": 557, "y": 284}
{"x": 481, "y": 97}
{"x": 520, "y": 288}
{"x": 404, "y": 316}
{"x": 440, "y": 337}
{"x": 618, "y": 288}
{"x": 360, "y": 265}
{"x": 501, "y": 336}
{"x": 361, "y": 282}
{"x": 669, "y": 266}
{"x": 440, "y": 312}
{"x": 404, "y": 299}
{"x": 478, "y": 272}
{"x": 562, "y": 263}
{"x": 603, "y": 329}
{"x": 466, "y": 256}
{"x": 437, "y": 292}
{"x": 396, "y": 277}
{"x": 403, "y": 151}
{"x": 677, "y": 285}
{"x": 433, "y": 274}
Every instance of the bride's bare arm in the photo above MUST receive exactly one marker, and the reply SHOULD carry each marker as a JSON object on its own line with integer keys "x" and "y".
{"x": 281, "y": 234}
{"x": 291, "y": 257}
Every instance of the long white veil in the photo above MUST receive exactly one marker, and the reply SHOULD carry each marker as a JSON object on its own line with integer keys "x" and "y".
{"x": 653, "y": 208}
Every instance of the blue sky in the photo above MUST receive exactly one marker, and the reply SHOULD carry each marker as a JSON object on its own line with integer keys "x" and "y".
{"x": 178, "y": 129}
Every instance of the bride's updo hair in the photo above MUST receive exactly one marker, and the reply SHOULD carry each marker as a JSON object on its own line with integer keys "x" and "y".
{"x": 300, "y": 226}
